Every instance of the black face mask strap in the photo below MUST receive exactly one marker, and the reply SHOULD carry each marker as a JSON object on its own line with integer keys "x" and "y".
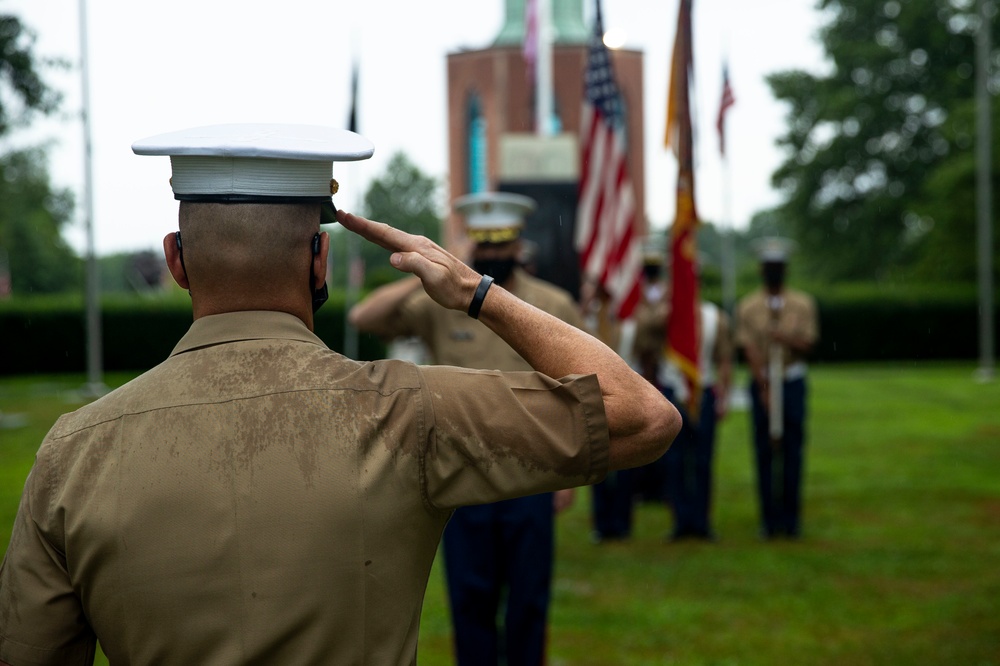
{"x": 180, "y": 251}
{"x": 319, "y": 296}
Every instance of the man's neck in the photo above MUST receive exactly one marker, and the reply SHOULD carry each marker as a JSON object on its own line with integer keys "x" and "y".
{"x": 203, "y": 309}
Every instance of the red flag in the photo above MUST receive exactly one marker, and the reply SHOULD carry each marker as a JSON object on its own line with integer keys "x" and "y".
{"x": 682, "y": 326}
{"x": 607, "y": 237}
{"x": 727, "y": 101}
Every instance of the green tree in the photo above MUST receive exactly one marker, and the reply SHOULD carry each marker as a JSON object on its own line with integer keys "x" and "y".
{"x": 404, "y": 197}
{"x": 877, "y": 175}
{"x": 22, "y": 89}
{"x": 32, "y": 215}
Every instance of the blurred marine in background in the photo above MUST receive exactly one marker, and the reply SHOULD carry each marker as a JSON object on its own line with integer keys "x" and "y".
{"x": 777, "y": 328}
{"x": 686, "y": 470}
{"x": 498, "y": 557}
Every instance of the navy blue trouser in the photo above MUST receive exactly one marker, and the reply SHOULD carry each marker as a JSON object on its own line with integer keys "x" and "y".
{"x": 612, "y": 505}
{"x": 649, "y": 482}
{"x": 495, "y": 553}
{"x": 689, "y": 471}
{"x": 779, "y": 467}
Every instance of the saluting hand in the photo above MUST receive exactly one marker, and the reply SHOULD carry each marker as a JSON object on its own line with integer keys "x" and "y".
{"x": 445, "y": 278}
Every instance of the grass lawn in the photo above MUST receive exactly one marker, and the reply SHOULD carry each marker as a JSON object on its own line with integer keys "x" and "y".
{"x": 898, "y": 563}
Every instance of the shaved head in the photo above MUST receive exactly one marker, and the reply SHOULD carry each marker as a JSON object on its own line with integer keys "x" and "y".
{"x": 252, "y": 255}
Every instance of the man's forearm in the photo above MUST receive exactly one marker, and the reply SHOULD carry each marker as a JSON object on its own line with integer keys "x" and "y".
{"x": 642, "y": 423}
{"x": 373, "y": 313}
{"x": 799, "y": 344}
{"x": 755, "y": 362}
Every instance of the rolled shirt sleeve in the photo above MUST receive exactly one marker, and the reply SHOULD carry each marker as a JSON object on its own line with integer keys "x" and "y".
{"x": 495, "y": 436}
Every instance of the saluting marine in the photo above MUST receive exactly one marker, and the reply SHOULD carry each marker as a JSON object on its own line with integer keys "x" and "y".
{"x": 258, "y": 498}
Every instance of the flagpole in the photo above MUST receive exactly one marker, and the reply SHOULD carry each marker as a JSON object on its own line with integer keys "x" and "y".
{"x": 95, "y": 362}
{"x": 728, "y": 258}
{"x": 984, "y": 192}
{"x": 543, "y": 74}
{"x": 726, "y": 236}
{"x": 351, "y": 294}
{"x": 352, "y": 246}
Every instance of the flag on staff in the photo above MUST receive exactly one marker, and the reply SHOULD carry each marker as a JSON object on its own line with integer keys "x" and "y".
{"x": 356, "y": 270}
{"x": 727, "y": 101}
{"x": 530, "y": 41}
{"x": 352, "y": 116}
{"x": 354, "y": 264}
{"x": 607, "y": 237}
{"x": 683, "y": 323}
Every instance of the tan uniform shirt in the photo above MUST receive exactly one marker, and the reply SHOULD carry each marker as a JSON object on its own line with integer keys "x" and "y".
{"x": 797, "y": 317}
{"x": 454, "y": 338}
{"x": 650, "y": 318}
{"x": 651, "y": 339}
{"x": 257, "y": 498}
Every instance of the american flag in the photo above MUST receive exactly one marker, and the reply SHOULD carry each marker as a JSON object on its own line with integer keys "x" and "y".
{"x": 727, "y": 101}
{"x": 607, "y": 237}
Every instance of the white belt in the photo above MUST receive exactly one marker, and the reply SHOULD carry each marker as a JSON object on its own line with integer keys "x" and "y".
{"x": 796, "y": 371}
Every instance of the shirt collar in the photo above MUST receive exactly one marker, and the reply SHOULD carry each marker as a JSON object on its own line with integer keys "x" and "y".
{"x": 250, "y": 325}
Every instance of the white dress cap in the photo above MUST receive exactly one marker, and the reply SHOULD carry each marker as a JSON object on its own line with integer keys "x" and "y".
{"x": 773, "y": 249}
{"x": 255, "y": 162}
{"x": 494, "y": 217}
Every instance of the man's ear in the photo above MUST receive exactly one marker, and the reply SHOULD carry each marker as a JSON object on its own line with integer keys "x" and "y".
{"x": 172, "y": 253}
{"x": 320, "y": 260}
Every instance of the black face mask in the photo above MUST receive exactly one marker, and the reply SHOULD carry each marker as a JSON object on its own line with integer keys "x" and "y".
{"x": 774, "y": 275}
{"x": 320, "y": 297}
{"x": 651, "y": 272}
{"x": 498, "y": 269}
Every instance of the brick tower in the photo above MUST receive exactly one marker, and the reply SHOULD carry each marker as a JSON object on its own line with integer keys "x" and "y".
{"x": 492, "y": 143}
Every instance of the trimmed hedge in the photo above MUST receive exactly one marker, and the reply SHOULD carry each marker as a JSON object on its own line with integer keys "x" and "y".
{"x": 857, "y": 323}
{"x": 898, "y": 330}
{"x": 48, "y": 335}
{"x": 895, "y": 321}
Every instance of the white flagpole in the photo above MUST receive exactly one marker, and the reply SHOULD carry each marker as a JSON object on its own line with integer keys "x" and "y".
{"x": 728, "y": 260}
{"x": 352, "y": 245}
{"x": 95, "y": 384}
{"x": 543, "y": 73}
{"x": 984, "y": 192}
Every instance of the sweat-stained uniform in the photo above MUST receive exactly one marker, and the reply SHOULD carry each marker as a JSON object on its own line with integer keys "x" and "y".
{"x": 507, "y": 546}
{"x": 258, "y": 498}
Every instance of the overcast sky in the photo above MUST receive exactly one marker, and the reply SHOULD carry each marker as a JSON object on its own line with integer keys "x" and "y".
{"x": 157, "y": 67}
